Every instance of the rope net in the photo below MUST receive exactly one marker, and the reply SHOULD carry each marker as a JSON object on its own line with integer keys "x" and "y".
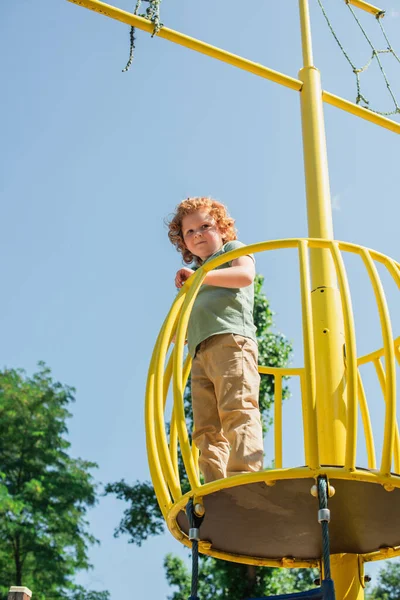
{"x": 152, "y": 14}
{"x": 375, "y": 58}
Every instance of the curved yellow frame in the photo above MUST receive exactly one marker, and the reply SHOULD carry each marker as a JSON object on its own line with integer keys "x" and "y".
{"x": 163, "y": 448}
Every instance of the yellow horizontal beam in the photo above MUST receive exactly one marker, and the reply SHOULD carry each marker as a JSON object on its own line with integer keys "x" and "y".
{"x": 235, "y": 60}
{"x": 367, "y": 7}
{"x": 189, "y": 42}
{"x": 359, "y": 111}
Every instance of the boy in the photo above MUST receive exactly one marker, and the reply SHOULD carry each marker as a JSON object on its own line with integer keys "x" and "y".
{"x": 222, "y": 341}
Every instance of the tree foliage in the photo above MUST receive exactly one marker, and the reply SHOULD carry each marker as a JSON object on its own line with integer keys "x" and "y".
{"x": 145, "y": 520}
{"x": 388, "y": 587}
{"x": 44, "y": 493}
{"x": 219, "y": 580}
{"x": 222, "y": 580}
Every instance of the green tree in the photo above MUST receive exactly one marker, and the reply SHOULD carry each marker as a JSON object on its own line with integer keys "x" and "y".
{"x": 222, "y": 580}
{"x": 388, "y": 587}
{"x": 44, "y": 493}
{"x": 219, "y": 580}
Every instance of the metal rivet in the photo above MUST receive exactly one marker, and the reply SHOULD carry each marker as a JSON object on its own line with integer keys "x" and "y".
{"x": 199, "y": 509}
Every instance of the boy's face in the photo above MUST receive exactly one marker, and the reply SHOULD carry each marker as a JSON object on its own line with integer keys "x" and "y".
{"x": 201, "y": 234}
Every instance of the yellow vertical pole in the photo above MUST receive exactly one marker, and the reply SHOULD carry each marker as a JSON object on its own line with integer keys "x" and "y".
{"x": 326, "y": 304}
{"x": 328, "y": 327}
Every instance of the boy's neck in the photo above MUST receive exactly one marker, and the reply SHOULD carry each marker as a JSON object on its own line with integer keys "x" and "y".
{"x": 205, "y": 259}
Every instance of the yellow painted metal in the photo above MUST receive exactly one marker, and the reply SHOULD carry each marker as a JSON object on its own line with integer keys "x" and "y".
{"x": 369, "y": 438}
{"x": 278, "y": 420}
{"x": 397, "y": 352}
{"x": 326, "y": 304}
{"x": 233, "y": 59}
{"x": 336, "y": 406}
{"x": 160, "y": 486}
{"x": 309, "y": 377}
{"x": 178, "y": 387}
{"x": 159, "y": 469}
{"x": 160, "y": 433}
{"x": 350, "y": 364}
{"x": 388, "y": 344}
{"x": 383, "y": 383}
{"x": 173, "y": 434}
{"x": 359, "y": 111}
{"x": 366, "y": 6}
{"x": 347, "y": 575}
{"x": 276, "y": 475}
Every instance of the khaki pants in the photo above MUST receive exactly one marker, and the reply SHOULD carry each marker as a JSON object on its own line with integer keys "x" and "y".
{"x": 227, "y": 424}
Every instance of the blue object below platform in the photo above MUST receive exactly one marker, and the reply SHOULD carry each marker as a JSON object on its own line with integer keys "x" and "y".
{"x": 325, "y": 592}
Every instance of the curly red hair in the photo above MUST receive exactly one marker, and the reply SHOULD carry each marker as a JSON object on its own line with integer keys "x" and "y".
{"x": 216, "y": 210}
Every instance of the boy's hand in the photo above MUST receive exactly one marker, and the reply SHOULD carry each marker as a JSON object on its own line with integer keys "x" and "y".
{"x": 182, "y": 275}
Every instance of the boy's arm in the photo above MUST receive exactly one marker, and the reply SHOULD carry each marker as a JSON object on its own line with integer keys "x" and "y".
{"x": 240, "y": 274}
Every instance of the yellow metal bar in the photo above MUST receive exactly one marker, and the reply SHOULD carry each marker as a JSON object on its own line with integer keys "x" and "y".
{"x": 173, "y": 432}
{"x": 382, "y": 382}
{"x": 373, "y": 10}
{"x": 369, "y": 438}
{"x": 286, "y": 372}
{"x": 397, "y": 353}
{"x": 308, "y": 396}
{"x": 359, "y": 111}
{"x": 363, "y": 360}
{"x": 194, "y": 285}
{"x": 278, "y": 421}
{"x": 173, "y": 435}
{"x": 350, "y": 426}
{"x": 331, "y": 401}
{"x": 161, "y": 438}
{"x": 388, "y": 344}
{"x": 347, "y": 577}
{"x": 173, "y": 442}
{"x": 319, "y": 209}
{"x": 394, "y": 270}
{"x": 160, "y": 487}
{"x": 305, "y": 26}
{"x": 326, "y": 305}
{"x": 191, "y": 43}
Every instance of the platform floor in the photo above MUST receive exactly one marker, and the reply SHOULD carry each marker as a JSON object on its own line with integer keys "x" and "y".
{"x": 256, "y": 520}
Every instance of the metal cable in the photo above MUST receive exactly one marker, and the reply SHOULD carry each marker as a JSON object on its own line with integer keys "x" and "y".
{"x": 375, "y": 54}
{"x": 323, "y": 505}
{"x": 194, "y": 535}
{"x": 153, "y": 15}
{"x": 195, "y": 570}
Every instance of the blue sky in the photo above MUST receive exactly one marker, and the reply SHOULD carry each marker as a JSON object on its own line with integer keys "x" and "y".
{"x": 93, "y": 160}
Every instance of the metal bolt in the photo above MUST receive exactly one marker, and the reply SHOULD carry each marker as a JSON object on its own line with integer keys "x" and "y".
{"x": 388, "y": 487}
{"x": 199, "y": 509}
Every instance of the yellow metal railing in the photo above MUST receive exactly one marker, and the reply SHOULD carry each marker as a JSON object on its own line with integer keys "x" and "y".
{"x": 168, "y": 365}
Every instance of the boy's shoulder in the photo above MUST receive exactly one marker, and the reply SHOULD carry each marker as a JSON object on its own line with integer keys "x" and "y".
{"x": 232, "y": 245}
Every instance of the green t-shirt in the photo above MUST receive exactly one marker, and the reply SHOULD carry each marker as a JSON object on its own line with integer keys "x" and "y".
{"x": 218, "y": 310}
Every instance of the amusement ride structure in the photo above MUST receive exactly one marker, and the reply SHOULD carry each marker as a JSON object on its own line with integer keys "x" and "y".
{"x": 331, "y": 512}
